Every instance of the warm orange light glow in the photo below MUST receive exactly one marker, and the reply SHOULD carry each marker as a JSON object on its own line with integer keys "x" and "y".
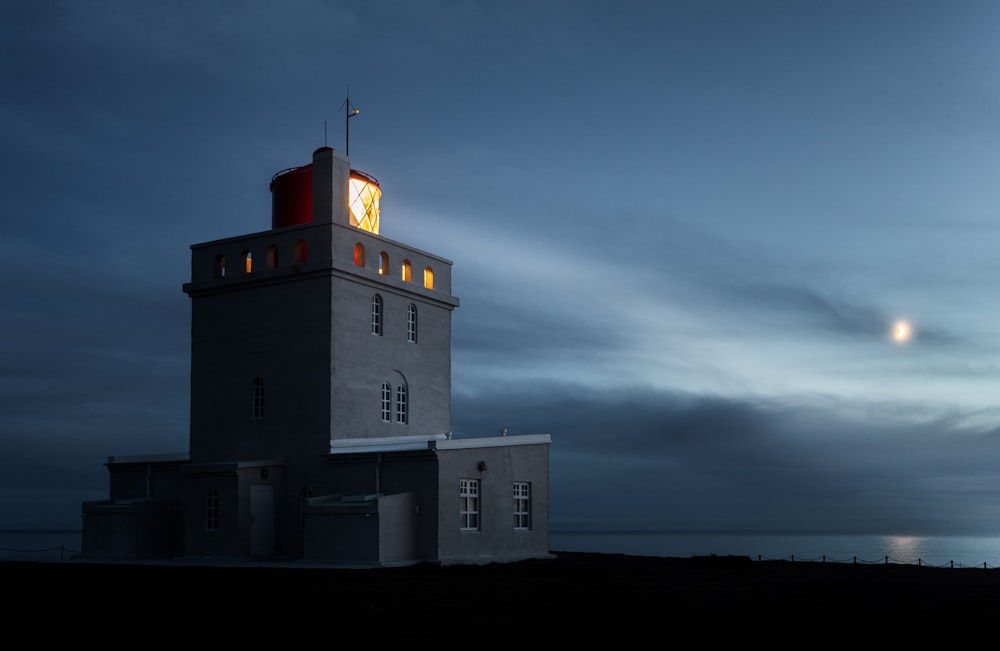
{"x": 407, "y": 271}
{"x": 429, "y": 278}
{"x": 248, "y": 257}
{"x": 364, "y": 203}
{"x": 901, "y": 331}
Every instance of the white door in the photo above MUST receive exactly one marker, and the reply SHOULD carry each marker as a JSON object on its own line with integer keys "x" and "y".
{"x": 261, "y": 519}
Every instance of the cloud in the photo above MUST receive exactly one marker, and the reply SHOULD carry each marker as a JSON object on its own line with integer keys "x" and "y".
{"x": 675, "y": 460}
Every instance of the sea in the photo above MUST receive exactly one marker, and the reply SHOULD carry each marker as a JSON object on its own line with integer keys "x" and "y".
{"x": 937, "y": 551}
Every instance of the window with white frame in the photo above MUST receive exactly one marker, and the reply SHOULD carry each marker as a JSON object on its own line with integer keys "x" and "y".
{"x": 469, "y": 504}
{"x": 411, "y": 324}
{"x": 212, "y": 510}
{"x": 401, "y": 404}
{"x": 522, "y": 506}
{"x": 376, "y": 315}
{"x": 386, "y": 402}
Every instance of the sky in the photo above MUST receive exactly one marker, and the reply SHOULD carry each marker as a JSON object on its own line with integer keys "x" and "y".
{"x": 681, "y": 233}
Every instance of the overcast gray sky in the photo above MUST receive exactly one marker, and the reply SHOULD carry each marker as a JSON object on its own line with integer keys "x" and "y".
{"x": 681, "y": 234}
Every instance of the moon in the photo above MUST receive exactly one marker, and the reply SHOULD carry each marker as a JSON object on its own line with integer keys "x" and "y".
{"x": 901, "y": 331}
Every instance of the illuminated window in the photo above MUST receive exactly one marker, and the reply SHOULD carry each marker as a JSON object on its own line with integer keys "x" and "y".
{"x": 383, "y": 263}
{"x": 522, "y": 506}
{"x": 407, "y": 271}
{"x": 364, "y": 201}
{"x": 212, "y": 510}
{"x": 258, "y": 398}
{"x": 386, "y": 402}
{"x": 429, "y": 278}
{"x": 247, "y": 262}
{"x": 411, "y": 324}
{"x": 300, "y": 252}
{"x": 220, "y": 266}
{"x": 359, "y": 255}
{"x": 401, "y": 404}
{"x": 469, "y": 504}
{"x": 272, "y": 256}
{"x": 376, "y": 315}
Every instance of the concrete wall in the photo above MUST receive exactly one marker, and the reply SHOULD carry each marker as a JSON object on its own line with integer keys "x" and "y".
{"x": 144, "y": 477}
{"x": 413, "y": 473}
{"x": 133, "y": 529}
{"x": 496, "y": 465}
{"x": 233, "y": 482}
{"x": 365, "y": 528}
{"x": 306, "y": 330}
{"x": 336, "y": 530}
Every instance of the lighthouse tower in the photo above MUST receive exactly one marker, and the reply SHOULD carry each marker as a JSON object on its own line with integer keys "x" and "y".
{"x": 321, "y": 404}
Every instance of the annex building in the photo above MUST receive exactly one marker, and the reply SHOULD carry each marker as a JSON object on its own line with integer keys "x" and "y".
{"x": 321, "y": 406}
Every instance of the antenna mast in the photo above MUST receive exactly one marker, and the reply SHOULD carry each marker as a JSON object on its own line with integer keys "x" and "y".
{"x": 349, "y": 112}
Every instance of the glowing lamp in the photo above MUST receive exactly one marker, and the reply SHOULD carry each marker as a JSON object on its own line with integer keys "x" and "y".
{"x": 364, "y": 201}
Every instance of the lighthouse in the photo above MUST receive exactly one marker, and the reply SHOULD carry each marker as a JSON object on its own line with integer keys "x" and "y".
{"x": 321, "y": 405}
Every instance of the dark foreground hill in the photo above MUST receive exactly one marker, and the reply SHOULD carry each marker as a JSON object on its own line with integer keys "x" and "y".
{"x": 596, "y": 600}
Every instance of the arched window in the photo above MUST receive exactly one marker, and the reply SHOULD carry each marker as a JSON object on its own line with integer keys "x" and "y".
{"x": 376, "y": 315}
{"x": 383, "y": 263}
{"x": 247, "y": 262}
{"x": 272, "y": 256}
{"x": 300, "y": 252}
{"x": 401, "y": 404}
{"x": 220, "y": 266}
{"x": 428, "y": 278}
{"x": 386, "y": 402}
{"x": 411, "y": 323}
{"x": 407, "y": 271}
{"x": 359, "y": 255}
{"x": 258, "y": 398}
{"x": 212, "y": 510}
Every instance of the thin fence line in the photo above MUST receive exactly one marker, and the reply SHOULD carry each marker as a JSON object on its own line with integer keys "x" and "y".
{"x": 885, "y": 560}
{"x": 62, "y": 549}
{"x": 854, "y": 560}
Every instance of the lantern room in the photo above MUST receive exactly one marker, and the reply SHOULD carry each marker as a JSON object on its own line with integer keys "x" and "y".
{"x": 292, "y": 198}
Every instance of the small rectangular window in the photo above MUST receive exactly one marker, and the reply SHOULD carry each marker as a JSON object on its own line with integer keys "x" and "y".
{"x": 411, "y": 324}
{"x": 376, "y": 315}
{"x": 401, "y": 405}
{"x": 522, "y": 506}
{"x": 386, "y": 402}
{"x": 469, "y": 504}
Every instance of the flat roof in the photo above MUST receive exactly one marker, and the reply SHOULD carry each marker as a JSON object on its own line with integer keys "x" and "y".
{"x": 179, "y": 457}
{"x": 431, "y": 442}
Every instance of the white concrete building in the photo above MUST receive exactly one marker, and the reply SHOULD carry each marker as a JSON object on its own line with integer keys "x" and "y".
{"x": 321, "y": 406}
